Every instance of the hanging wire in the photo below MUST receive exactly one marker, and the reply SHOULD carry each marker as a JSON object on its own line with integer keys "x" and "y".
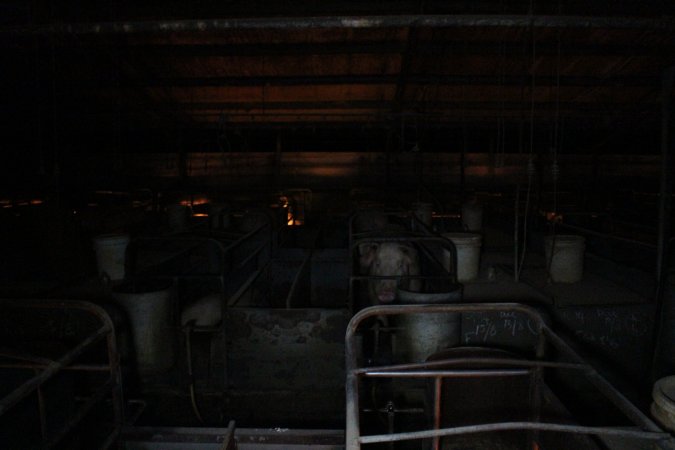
{"x": 530, "y": 161}
{"x": 555, "y": 169}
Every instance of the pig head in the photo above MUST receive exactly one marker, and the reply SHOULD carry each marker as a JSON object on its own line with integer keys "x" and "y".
{"x": 389, "y": 259}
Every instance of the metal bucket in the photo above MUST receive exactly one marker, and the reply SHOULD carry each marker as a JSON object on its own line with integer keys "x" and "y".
{"x": 468, "y": 255}
{"x": 421, "y": 335}
{"x": 111, "y": 255}
{"x": 567, "y": 261}
{"x": 149, "y": 307}
{"x": 663, "y": 407}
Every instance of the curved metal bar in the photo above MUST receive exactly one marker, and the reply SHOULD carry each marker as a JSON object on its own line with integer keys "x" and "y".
{"x": 511, "y": 426}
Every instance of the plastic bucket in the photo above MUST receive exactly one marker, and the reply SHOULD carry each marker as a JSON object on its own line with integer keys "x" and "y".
{"x": 424, "y": 212}
{"x": 178, "y": 217}
{"x": 567, "y": 261}
{"x": 111, "y": 252}
{"x": 149, "y": 307}
{"x": 421, "y": 335}
{"x": 472, "y": 216}
{"x": 663, "y": 407}
{"x": 468, "y": 255}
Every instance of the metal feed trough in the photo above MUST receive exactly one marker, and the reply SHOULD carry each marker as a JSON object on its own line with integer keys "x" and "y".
{"x": 489, "y": 369}
{"x": 58, "y": 374}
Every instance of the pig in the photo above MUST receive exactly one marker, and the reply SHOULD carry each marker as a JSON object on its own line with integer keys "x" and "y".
{"x": 394, "y": 259}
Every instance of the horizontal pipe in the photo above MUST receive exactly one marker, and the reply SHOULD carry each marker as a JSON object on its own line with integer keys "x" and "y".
{"x": 350, "y": 22}
{"x": 29, "y": 386}
{"x": 75, "y": 367}
{"x": 469, "y": 361}
{"x": 514, "y": 426}
{"x": 445, "y": 373}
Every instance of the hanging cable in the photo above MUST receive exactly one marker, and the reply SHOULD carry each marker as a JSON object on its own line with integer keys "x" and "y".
{"x": 555, "y": 169}
{"x": 531, "y": 170}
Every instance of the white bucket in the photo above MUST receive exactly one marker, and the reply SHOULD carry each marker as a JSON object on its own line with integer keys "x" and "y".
{"x": 472, "y": 216}
{"x": 178, "y": 217}
{"x": 111, "y": 255}
{"x": 149, "y": 308}
{"x": 424, "y": 212}
{"x": 468, "y": 255}
{"x": 567, "y": 263}
{"x": 663, "y": 407}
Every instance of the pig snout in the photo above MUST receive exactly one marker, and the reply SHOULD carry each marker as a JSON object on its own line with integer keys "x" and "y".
{"x": 386, "y": 291}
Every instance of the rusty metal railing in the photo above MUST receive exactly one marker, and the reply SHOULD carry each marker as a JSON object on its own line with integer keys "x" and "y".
{"x": 439, "y": 370}
{"x": 47, "y": 369}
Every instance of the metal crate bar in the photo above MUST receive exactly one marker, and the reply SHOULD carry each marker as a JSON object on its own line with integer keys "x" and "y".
{"x": 353, "y": 439}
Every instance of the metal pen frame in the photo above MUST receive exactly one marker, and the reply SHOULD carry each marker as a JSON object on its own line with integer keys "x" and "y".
{"x": 46, "y": 369}
{"x": 438, "y": 370}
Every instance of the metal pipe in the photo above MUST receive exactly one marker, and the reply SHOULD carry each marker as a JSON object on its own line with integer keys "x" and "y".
{"x": 666, "y": 181}
{"x": 234, "y": 299}
{"x": 513, "y": 426}
{"x": 353, "y": 22}
{"x": 616, "y": 397}
{"x": 445, "y": 373}
{"x": 469, "y": 361}
{"x": 29, "y": 386}
{"x": 296, "y": 280}
{"x": 78, "y": 367}
{"x": 438, "y": 389}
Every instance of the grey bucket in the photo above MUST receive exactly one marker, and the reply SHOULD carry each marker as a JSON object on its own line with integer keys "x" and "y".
{"x": 567, "y": 259}
{"x": 423, "y": 334}
{"x": 149, "y": 307}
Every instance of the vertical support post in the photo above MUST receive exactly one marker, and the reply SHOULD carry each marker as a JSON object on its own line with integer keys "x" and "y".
{"x": 516, "y": 230}
{"x": 462, "y": 166}
{"x": 352, "y": 430}
{"x": 42, "y": 411}
{"x": 438, "y": 386}
{"x": 536, "y": 381}
{"x": 116, "y": 377}
{"x": 665, "y": 214}
{"x": 666, "y": 185}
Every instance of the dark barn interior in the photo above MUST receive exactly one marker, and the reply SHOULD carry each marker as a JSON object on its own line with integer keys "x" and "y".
{"x": 337, "y": 224}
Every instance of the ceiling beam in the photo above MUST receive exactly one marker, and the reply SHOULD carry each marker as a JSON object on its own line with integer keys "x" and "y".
{"x": 297, "y": 107}
{"x": 447, "y": 48}
{"x": 665, "y": 23}
{"x": 394, "y": 79}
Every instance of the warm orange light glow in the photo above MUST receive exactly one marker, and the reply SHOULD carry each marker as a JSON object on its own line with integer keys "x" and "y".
{"x": 195, "y": 201}
{"x": 36, "y": 201}
{"x": 200, "y": 215}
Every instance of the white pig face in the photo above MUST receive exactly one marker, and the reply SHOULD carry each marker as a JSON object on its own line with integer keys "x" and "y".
{"x": 388, "y": 259}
